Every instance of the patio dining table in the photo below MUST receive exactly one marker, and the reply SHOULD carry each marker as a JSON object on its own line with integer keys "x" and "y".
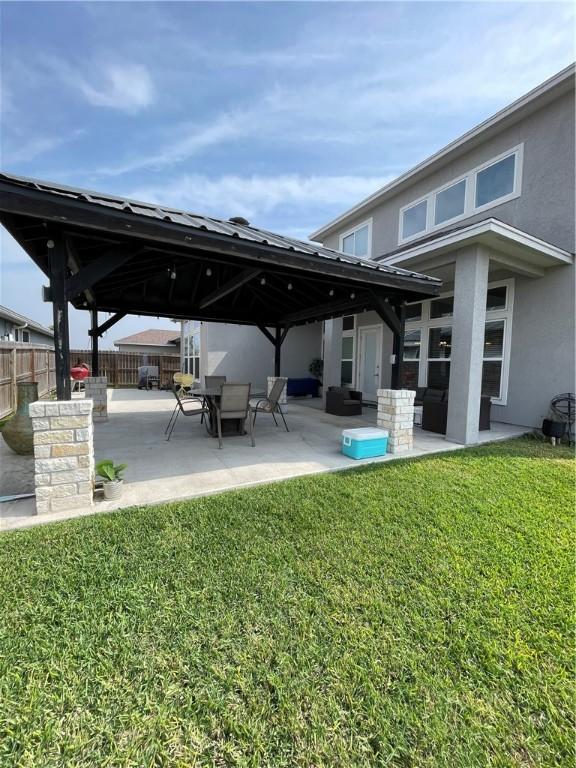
{"x": 211, "y": 396}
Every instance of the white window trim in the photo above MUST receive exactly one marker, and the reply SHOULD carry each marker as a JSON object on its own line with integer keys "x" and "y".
{"x": 426, "y": 323}
{"x": 470, "y": 208}
{"x": 353, "y": 231}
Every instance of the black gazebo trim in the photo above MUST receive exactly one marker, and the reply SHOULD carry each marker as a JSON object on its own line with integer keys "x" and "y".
{"x": 106, "y": 254}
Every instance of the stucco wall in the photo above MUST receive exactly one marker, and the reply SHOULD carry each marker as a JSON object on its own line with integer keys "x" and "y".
{"x": 243, "y": 354}
{"x": 544, "y": 209}
{"x": 542, "y": 360}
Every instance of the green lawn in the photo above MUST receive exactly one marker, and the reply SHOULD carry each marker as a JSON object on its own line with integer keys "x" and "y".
{"x": 417, "y": 613}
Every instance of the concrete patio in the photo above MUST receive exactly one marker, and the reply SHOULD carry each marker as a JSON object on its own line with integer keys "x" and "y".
{"x": 191, "y": 463}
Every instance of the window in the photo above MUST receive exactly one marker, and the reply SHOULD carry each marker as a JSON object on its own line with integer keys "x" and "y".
{"x": 357, "y": 241}
{"x": 191, "y": 350}
{"x": 414, "y": 219}
{"x": 496, "y": 298}
{"x": 348, "y": 323}
{"x": 450, "y": 202}
{"x": 21, "y": 335}
{"x": 411, "y": 357}
{"x": 493, "y": 357}
{"x": 487, "y": 185}
{"x": 414, "y": 311}
{"x": 347, "y": 361}
{"x": 443, "y": 307}
{"x": 439, "y": 350}
{"x": 431, "y": 329}
{"x": 496, "y": 181}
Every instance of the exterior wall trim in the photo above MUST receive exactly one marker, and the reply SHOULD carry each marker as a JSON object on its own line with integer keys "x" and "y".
{"x": 488, "y": 227}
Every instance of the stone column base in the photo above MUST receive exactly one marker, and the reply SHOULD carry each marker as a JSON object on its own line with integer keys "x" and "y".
{"x": 63, "y": 454}
{"x": 396, "y": 414}
{"x": 95, "y": 388}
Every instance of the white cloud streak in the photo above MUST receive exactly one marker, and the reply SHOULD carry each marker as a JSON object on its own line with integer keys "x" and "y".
{"x": 386, "y": 102}
{"x": 257, "y": 196}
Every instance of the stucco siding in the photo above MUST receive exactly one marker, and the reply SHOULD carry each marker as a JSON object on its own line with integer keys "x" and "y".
{"x": 542, "y": 360}
{"x": 243, "y": 354}
{"x": 545, "y": 207}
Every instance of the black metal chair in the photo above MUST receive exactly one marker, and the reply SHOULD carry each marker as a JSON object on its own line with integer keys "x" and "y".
{"x": 234, "y": 403}
{"x": 180, "y": 409}
{"x": 271, "y": 403}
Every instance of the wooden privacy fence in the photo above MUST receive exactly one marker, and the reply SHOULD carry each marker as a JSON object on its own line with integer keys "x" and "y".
{"x": 121, "y": 368}
{"x": 21, "y": 363}
{"x": 26, "y": 362}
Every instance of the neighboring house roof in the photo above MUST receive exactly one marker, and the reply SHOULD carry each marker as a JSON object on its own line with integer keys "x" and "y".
{"x": 18, "y": 319}
{"x": 512, "y": 247}
{"x": 151, "y": 338}
{"x": 519, "y": 109}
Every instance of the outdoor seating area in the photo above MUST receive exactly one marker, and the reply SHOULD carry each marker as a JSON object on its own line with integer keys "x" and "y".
{"x": 192, "y": 464}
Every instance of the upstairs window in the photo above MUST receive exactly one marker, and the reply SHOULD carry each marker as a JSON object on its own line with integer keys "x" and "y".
{"x": 450, "y": 202}
{"x": 496, "y": 181}
{"x": 357, "y": 241}
{"x": 414, "y": 219}
{"x": 492, "y": 183}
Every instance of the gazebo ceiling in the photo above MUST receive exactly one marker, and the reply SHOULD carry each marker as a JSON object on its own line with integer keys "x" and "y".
{"x": 135, "y": 258}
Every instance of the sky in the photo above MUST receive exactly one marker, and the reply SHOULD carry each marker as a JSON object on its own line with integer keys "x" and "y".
{"x": 287, "y": 113}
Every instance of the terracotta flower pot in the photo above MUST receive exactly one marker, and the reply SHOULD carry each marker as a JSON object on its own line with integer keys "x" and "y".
{"x": 17, "y": 432}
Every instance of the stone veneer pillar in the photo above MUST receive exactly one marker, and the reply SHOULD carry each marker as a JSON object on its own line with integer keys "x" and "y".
{"x": 396, "y": 414}
{"x": 283, "y": 398}
{"x": 96, "y": 390}
{"x": 63, "y": 454}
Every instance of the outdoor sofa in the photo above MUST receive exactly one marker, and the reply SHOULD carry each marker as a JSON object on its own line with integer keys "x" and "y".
{"x": 341, "y": 401}
{"x": 435, "y": 411}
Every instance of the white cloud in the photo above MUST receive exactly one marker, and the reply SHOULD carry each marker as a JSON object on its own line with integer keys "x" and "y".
{"x": 35, "y": 146}
{"x": 256, "y": 196}
{"x": 126, "y": 87}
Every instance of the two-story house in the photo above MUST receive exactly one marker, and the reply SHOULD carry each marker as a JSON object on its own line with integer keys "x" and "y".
{"x": 492, "y": 215}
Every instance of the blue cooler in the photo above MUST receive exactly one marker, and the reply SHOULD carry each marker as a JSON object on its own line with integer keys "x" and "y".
{"x": 365, "y": 442}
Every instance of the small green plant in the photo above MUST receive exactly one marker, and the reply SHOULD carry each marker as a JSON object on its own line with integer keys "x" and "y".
{"x": 109, "y": 471}
{"x": 316, "y": 368}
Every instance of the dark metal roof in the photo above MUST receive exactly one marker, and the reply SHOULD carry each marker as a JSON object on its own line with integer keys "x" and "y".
{"x": 158, "y": 238}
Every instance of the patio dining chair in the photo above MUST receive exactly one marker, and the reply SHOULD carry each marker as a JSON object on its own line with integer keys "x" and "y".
{"x": 271, "y": 403}
{"x": 180, "y": 408}
{"x": 234, "y": 404}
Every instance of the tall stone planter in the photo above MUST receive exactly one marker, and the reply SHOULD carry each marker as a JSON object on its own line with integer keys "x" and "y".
{"x": 17, "y": 433}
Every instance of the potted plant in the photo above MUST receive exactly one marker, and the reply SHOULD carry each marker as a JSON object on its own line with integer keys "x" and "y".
{"x": 316, "y": 368}
{"x": 111, "y": 475}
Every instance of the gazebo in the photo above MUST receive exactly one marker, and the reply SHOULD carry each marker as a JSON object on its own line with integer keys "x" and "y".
{"x": 108, "y": 254}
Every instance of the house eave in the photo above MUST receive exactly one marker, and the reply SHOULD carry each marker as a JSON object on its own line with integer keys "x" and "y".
{"x": 529, "y": 253}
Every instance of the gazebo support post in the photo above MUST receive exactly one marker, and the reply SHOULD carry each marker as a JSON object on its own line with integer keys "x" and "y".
{"x": 395, "y": 318}
{"x": 278, "y": 339}
{"x": 58, "y": 261}
{"x": 398, "y": 350}
{"x": 94, "y": 339}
